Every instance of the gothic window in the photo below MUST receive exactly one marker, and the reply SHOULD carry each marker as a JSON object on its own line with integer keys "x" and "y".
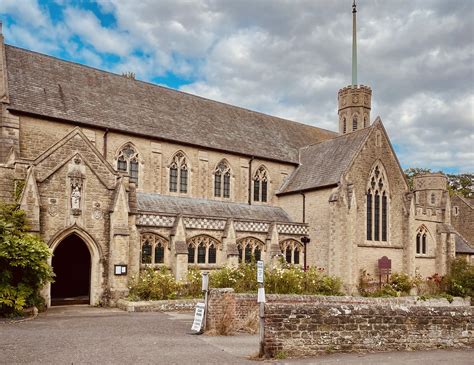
{"x": 260, "y": 185}
{"x": 222, "y": 180}
{"x": 421, "y": 240}
{"x": 250, "y": 248}
{"x": 202, "y": 250}
{"x": 127, "y": 161}
{"x": 291, "y": 250}
{"x": 179, "y": 173}
{"x": 354, "y": 122}
{"x": 153, "y": 248}
{"x": 377, "y": 205}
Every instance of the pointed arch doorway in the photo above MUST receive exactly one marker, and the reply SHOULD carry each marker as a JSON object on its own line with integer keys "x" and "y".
{"x": 71, "y": 264}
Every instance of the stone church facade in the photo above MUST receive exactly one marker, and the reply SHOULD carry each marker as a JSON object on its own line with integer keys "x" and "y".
{"x": 117, "y": 174}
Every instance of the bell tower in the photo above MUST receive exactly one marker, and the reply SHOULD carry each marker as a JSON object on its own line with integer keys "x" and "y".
{"x": 354, "y": 101}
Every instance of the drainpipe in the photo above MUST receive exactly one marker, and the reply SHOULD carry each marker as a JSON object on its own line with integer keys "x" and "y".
{"x": 105, "y": 142}
{"x": 250, "y": 179}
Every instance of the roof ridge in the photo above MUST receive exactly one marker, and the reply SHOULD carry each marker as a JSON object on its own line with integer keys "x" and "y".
{"x": 148, "y": 83}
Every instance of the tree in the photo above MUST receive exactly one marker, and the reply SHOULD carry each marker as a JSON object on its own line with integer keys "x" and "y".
{"x": 24, "y": 267}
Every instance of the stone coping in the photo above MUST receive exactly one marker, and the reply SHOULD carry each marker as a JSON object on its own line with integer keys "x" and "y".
{"x": 408, "y": 300}
{"x": 158, "y": 305}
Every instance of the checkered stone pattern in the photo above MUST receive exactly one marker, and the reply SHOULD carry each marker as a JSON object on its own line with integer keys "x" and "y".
{"x": 204, "y": 223}
{"x": 252, "y": 226}
{"x": 155, "y": 220}
{"x": 292, "y": 229}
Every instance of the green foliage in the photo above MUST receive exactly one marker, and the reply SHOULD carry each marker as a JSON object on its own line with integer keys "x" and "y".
{"x": 192, "y": 288}
{"x": 399, "y": 284}
{"x": 460, "y": 279}
{"x": 19, "y": 186}
{"x": 24, "y": 269}
{"x": 154, "y": 285}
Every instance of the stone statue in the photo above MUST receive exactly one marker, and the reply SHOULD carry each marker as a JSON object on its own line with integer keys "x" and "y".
{"x": 76, "y": 198}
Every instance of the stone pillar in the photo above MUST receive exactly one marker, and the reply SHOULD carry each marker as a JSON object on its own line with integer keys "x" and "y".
{"x": 409, "y": 246}
{"x": 229, "y": 242}
{"x": 273, "y": 246}
{"x": 30, "y": 201}
{"x": 179, "y": 249}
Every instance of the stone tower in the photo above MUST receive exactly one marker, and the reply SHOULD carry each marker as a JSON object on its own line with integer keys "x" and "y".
{"x": 354, "y": 101}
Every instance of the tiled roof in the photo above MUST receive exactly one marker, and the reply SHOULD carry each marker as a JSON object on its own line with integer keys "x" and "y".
{"x": 51, "y": 87}
{"x": 323, "y": 163}
{"x": 164, "y": 204}
{"x": 462, "y": 246}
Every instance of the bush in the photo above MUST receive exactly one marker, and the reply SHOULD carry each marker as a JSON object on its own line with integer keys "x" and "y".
{"x": 399, "y": 284}
{"x": 154, "y": 285}
{"x": 192, "y": 288}
{"x": 460, "y": 279}
{"x": 24, "y": 268}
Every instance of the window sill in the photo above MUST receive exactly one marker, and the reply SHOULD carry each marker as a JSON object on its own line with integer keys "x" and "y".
{"x": 424, "y": 256}
{"x": 379, "y": 244}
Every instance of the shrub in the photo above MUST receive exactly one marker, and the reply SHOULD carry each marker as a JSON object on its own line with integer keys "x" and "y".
{"x": 24, "y": 268}
{"x": 154, "y": 285}
{"x": 192, "y": 287}
{"x": 460, "y": 279}
{"x": 401, "y": 282}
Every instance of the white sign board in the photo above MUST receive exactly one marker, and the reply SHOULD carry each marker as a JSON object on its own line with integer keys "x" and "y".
{"x": 260, "y": 271}
{"x": 261, "y": 295}
{"x": 198, "y": 317}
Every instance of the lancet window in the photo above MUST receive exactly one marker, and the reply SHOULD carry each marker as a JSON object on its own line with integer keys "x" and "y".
{"x": 250, "y": 248}
{"x": 222, "y": 180}
{"x": 354, "y": 122}
{"x": 179, "y": 173}
{"x": 421, "y": 240}
{"x": 344, "y": 125}
{"x": 292, "y": 251}
{"x": 260, "y": 185}
{"x": 202, "y": 250}
{"x": 127, "y": 161}
{"x": 377, "y": 206}
{"x": 153, "y": 249}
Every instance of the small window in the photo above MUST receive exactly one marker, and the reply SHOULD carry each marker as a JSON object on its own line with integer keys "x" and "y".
{"x": 257, "y": 253}
{"x": 250, "y": 248}
{"x": 288, "y": 255}
{"x": 226, "y": 186}
{"x": 206, "y": 249}
{"x": 217, "y": 185}
{"x": 173, "y": 179}
{"x": 291, "y": 250}
{"x": 248, "y": 254}
{"x": 201, "y": 254}
{"x": 212, "y": 254}
{"x": 296, "y": 253}
{"x": 354, "y": 122}
{"x": 433, "y": 199}
{"x": 344, "y": 125}
{"x": 256, "y": 190}
{"x": 222, "y": 180}
{"x": 183, "y": 181}
{"x": 422, "y": 241}
{"x": 456, "y": 210}
{"x": 260, "y": 185}
{"x": 127, "y": 161}
{"x": 159, "y": 254}
{"x": 191, "y": 254}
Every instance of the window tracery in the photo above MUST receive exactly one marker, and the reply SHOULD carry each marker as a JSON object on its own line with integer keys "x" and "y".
{"x": 292, "y": 251}
{"x": 260, "y": 185}
{"x": 250, "y": 248}
{"x": 202, "y": 250}
{"x": 153, "y": 249}
{"x": 222, "y": 180}
{"x": 377, "y": 213}
{"x": 179, "y": 173}
{"x": 127, "y": 161}
{"x": 421, "y": 240}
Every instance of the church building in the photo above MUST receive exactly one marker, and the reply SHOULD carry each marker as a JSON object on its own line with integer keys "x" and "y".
{"x": 117, "y": 174}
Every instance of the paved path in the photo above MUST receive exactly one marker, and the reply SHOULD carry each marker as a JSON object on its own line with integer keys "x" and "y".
{"x": 85, "y": 335}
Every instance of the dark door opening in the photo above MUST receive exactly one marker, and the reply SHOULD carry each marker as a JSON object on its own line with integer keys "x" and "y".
{"x": 72, "y": 266}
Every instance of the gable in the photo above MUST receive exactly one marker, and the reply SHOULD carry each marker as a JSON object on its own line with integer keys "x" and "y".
{"x": 75, "y": 144}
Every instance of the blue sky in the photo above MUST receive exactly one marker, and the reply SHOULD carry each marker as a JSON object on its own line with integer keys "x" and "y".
{"x": 283, "y": 58}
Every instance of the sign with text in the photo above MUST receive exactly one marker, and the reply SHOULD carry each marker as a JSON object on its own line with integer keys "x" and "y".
{"x": 198, "y": 317}
{"x": 260, "y": 271}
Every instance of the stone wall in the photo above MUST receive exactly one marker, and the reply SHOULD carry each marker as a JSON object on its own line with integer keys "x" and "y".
{"x": 299, "y": 329}
{"x": 158, "y": 305}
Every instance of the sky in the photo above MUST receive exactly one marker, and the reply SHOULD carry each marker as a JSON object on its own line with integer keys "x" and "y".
{"x": 286, "y": 58}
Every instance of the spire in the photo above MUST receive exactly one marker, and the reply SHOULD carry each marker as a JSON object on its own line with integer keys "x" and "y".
{"x": 354, "y": 44}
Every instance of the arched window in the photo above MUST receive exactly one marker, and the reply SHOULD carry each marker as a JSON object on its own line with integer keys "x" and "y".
{"x": 421, "y": 241}
{"x": 260, "y": 185}
{"x": 291, "y": 250}
{"x": 153, "y": 248}
{"x": 354, "y": 122}
{"x": 222, "y": 180}
{"x": 377, "y": 205}
{"x": 179, "y": 173}
{"x": 127, "y": 161}
{"x": 202, "y": 250}
{"x": 250, "y": 248}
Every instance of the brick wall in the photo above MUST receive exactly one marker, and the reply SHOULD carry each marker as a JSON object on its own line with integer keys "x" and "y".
{"x": 299, "y": 329}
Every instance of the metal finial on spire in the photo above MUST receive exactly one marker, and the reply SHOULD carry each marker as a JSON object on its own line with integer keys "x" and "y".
{"x": 354, "y": 44}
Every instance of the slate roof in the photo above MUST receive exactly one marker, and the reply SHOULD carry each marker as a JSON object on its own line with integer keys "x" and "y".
{"x": 164, "y": 204}
{"x": 462, "y": 246}
{"x": 51, "y": 87}
{"x": 323, "y": 163}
